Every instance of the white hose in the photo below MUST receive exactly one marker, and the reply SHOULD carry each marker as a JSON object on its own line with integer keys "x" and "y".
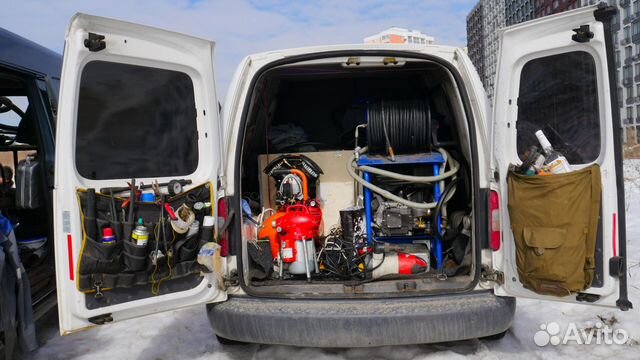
{"x": 453, "y": 169}
{"x": 352, "y": 166}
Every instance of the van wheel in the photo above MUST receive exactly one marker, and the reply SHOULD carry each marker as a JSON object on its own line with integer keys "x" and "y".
{"x": 228, "y": 342}
{"x": 495, "y": 337}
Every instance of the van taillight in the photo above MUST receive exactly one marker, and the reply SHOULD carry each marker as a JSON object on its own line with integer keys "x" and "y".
{"x": 494, "y": 221}
{"x": 223, "y": 236}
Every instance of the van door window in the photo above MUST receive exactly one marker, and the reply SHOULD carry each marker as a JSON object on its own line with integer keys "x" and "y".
{"x": 17, "y": 134}
{"x": 135, "y": 121}
{"x": 558, "y": 94}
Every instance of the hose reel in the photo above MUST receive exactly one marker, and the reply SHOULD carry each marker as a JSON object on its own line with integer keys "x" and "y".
{"x": 398, "y": 127}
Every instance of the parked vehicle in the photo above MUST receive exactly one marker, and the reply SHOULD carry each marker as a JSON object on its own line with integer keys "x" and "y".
{"x": 361, "y": 193}
{"x": 29, "y": 82}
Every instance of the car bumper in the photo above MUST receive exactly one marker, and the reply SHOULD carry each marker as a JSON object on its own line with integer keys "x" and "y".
{"x": 362, "y": 323}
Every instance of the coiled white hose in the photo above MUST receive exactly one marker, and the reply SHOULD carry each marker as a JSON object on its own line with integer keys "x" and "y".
{"x": 352, "y": 166}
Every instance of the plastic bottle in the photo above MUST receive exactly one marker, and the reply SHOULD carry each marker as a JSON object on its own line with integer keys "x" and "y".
{"x": 536, "y": 166}
{"x": 557, "y": 163}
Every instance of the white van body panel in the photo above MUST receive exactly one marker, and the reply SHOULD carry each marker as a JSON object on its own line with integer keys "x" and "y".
{"x": 140, "y": 45}
{"x": 250, "y": 66}
{"x": 495, "y": 141}
{"x": 521, "y": 43}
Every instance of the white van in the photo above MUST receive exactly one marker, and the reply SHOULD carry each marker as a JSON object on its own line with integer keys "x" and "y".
{"x": 379, "y": 172}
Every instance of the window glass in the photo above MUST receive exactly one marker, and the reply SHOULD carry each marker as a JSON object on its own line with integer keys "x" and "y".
{"x": 627, "y": 72}
{"x": 135, "y": 121}
{"x": 558, "y": 95}
{"x": 16, "y": 106}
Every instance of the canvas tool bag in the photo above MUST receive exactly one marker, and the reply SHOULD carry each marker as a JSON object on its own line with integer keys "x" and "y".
{"x": 554, "y": 220}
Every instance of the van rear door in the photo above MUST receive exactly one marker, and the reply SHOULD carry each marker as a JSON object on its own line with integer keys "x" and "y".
{"x": 135, "y": 103}
{"x": 556, "y": 74}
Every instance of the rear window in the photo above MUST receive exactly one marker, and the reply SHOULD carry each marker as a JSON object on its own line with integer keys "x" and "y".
{"x": 559, "y": 95}
{"x": 135, "y": 121}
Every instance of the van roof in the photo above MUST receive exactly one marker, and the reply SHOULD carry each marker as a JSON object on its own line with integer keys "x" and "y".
{"x": 25, "y": 55}
{"x": 436, "y": 49}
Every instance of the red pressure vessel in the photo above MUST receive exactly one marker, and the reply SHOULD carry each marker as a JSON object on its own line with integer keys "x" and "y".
{"x": 299, "y": 222}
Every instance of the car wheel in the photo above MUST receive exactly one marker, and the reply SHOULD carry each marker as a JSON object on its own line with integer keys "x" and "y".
{"x": 225, "y": 341}
{"x": 495, "y": 337}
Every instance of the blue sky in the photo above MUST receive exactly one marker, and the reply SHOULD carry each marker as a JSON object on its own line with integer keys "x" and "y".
{"x": 242, "y": 27}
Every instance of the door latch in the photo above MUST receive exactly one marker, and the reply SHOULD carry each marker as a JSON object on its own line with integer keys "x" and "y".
{"x": 493, "y": 276}
{"x": 582, "y": 34}
{"x": 232, "y": 280}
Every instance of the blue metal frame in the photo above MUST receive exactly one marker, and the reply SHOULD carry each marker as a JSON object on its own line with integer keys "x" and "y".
{"x": 434, "y": 159}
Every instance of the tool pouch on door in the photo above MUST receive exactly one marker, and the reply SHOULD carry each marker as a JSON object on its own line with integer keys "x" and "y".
{"x": 554, "y": 220}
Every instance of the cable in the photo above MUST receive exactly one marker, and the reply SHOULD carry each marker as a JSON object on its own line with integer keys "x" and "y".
{"x": 450, "y": 188}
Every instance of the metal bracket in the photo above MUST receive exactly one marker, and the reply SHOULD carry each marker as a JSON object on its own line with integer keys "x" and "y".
{"x": 493, "y": 276}
{"x": 98, "y": 286}
{"x": 582, "y": 34}
{"x": 231, "y": 280}
{"x": 101, "y": 319}
{"x": 95, "y": 42}
{"x": 586, "y": 297}
{"x": 617, "y": 266}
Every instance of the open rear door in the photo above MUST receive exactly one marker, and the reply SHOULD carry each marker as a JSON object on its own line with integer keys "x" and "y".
{"x": 135, "y": 102}
{"x": 557, "y": 74}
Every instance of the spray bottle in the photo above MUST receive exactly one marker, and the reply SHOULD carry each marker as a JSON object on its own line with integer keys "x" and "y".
{"x": 140, "y": 235}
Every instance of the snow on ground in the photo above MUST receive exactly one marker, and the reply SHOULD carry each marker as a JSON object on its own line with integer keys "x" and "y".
{"x": 186, "y": 334}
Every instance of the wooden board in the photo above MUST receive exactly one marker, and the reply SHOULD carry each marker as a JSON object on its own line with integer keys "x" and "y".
{"x": 336, "y": 189}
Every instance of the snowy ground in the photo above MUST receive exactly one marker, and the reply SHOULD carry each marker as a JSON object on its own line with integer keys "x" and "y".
{"x": 186, "y": 334}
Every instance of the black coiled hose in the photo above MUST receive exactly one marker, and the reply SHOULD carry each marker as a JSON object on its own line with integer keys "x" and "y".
{"x": 404, "y": 126}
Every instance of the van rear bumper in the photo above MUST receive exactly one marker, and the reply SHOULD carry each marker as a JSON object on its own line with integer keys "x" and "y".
{"x": 362, "y": 323}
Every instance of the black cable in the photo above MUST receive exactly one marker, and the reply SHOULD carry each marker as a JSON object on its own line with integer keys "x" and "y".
{"x": 436, "y": 212}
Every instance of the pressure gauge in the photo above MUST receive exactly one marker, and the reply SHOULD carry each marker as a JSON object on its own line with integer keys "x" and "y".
{"x": 174, "y": 187}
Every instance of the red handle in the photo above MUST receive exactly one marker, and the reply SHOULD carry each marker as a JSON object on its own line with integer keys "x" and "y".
{"x": 291, "y": 208}
{"x": 170, "y": 211}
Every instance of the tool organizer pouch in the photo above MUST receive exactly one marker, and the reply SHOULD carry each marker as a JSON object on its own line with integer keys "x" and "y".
{"x": 135, "y": 256}
{"x": 124, "y": 264}
{"x": 554, "y": 220}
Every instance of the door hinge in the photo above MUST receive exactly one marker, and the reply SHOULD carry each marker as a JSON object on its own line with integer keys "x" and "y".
{"x": 101, "y": 319}
{"x": 222, "y": 183}
{"x": 492, "y": 275}
{"x": 95, "y": 42}
{"x": 582, "y": 34}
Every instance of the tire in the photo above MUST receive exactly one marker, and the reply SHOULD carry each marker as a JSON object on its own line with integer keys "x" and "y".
{"x": 228, "y": 342}
{"x": 495, "y": 337}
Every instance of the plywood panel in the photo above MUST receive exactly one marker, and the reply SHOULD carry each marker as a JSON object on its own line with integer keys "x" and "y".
{"x": 335, "y": 187}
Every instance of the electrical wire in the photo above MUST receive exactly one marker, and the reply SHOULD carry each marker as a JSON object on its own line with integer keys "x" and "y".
{"x": 447, "y": 193}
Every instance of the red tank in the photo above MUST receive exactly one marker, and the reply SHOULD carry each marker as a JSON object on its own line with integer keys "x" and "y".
{"x": 299, "y": 222}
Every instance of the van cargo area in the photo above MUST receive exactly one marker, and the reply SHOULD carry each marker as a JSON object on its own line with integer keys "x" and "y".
{"x": 356, "y": 179}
